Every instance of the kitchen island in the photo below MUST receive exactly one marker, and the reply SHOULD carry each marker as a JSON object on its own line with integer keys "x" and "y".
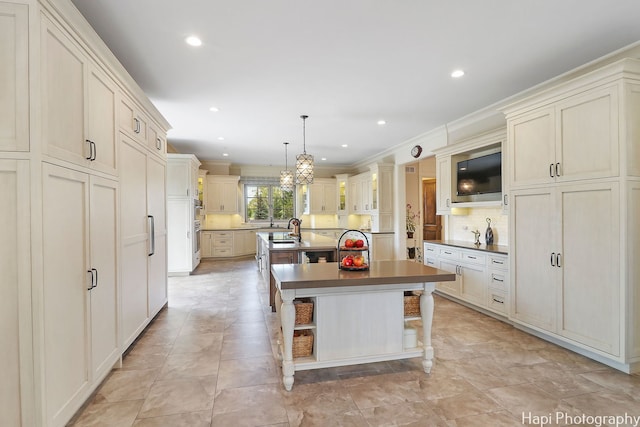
{"x": 358, "y": 316}
{"x": 278, "y": 247}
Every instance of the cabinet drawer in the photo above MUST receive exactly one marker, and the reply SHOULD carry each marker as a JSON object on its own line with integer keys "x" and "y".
{"x": 222, "y": 252}
{"x": 474, "y": 258}
{"x": 498, "y": 280}
{"x": 222, "y": 242}
{"x": 223, "y": 234}
{"x": 449, "y": 253}
{"x": 497, "y": 301}
{"x": 498, "y": 262}
{"x": 431, "y": 262}
{"x": 430, "y": 250}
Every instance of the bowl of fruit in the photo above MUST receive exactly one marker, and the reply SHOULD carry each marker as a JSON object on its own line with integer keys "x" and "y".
{"x": 353, "y": 251}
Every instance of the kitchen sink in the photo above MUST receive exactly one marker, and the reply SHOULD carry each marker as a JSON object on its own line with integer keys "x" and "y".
{"x": 284, "y": 241}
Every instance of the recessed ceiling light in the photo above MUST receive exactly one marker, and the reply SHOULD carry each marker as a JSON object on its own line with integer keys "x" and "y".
{"x": 345, "y": 145}
{"x": 457, "y": 74}
{"x": 225, "y": 154}
{"x": 193, "y": 41}
{"x": 382, "y": 122}
{"x": 214, "y": 109}
{"x": 324, "y": 158}
{"x": 221, "y": 138}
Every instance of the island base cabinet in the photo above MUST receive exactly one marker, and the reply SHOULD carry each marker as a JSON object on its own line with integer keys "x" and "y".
{"x": 356, "y": 326}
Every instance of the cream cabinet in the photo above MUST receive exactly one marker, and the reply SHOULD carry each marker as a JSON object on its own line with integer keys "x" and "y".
{"x": 443, "y": 185}
{"x": 572, "y": 165}
{"x": 14, "y": 63}
{"x": 182, "y": 176}
{"x": 574, "y": 139}
{"x": 156, "y": 140}
{"x": 143, "y": 241}
{"x": 322, "y": 195}
{"x": 206, "y": 244}
{"x": 79, "y": 287}
{"x": 355, "y": 195}
{"x": 16, "y": 388}
{"x": 380, "y": 246}
{"x": 569, "y": 283}
{"x": 244, "y": 242}
{"x": 132, "y": 120}
{"x": 79, "y": 102}
{"x": 222, "y": 244}
{"x": 481, "y": 276}
{"x": 222, "y": 194}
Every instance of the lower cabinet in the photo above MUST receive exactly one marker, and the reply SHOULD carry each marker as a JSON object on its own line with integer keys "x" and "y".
{"x": 79, "y": 287}
{"x": 381, "y": 246}
{"x": 228, "y": 243}
{"x": 481, "y": 276}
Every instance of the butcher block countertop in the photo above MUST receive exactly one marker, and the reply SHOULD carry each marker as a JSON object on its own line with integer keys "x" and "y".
{"x": 298, "y": 276}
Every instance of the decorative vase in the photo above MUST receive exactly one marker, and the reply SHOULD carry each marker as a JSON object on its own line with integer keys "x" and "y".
{"x": 409, "y": 234}
{"x": 411, "y": 253}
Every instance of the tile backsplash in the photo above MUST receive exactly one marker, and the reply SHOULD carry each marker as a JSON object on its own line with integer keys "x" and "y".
{"x": 461, "y": 226}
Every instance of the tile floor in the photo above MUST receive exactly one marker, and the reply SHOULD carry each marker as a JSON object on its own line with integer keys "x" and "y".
{"x": 208, "y": 360}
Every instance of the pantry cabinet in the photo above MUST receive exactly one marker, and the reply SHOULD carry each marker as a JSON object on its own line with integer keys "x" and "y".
{"x": 79, "y": 104}
{"x": 14, "y": 65}
{"x": 79, "y": 286}
{"x": 16, "y": 358}
{"x": 571, "y": 151}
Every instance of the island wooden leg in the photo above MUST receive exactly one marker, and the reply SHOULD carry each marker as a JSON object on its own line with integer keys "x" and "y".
{"x": 426, "y": 311}
{"x": 287, "y": 321}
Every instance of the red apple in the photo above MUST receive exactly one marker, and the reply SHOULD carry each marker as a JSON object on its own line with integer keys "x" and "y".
{"x": 358, "y": 260}
{"x": 347, "y": 262}
{"x": 359, "y": 243}
{"x": 349, "y": 243}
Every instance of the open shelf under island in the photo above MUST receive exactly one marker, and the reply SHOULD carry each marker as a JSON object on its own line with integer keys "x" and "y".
{"x": 358, "y": 315}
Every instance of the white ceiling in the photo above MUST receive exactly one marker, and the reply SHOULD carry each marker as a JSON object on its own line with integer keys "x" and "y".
{"x": 345, "y": 63}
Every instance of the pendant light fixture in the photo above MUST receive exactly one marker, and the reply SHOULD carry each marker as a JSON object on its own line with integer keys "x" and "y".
{"x": 304, "y": 161}
{"x": 286, "y": 176}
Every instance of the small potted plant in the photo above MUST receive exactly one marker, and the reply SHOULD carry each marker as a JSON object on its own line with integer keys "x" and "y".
{"x": 411, "y": 221}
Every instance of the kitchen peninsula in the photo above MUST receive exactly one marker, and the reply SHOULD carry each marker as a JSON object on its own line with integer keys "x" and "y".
{"x": 358, "y": 316}
{"x": 281, "y": 248}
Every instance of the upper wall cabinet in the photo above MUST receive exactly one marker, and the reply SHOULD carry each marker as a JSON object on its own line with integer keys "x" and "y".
{"x": 14, "y": 78}
{"x": 222, "y": 194}
{"x": 576, "y": 138}
{"x": 322, "y": 197}
{"x": 79, "y": 101}
{"x": 133, "y": 121}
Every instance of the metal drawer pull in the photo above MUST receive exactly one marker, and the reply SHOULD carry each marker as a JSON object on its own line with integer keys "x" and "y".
{"x": 497, "y": 280}
{"x": 558, "y": 259}
{"x": 557, "y": 169}
{"x": 497, "y": 262}
{"x": 553, "y": 263}
{"x": 497, "y": 300}
{"x": 551, "y": 170}
{"x": 448, "y": 253}
{"x": 471, "y": 257}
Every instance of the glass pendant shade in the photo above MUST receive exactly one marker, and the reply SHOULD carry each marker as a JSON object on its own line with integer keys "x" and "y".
{"x": 304, "y": 161}
{"x": 286, "y": 176}
{"x": 286, "y": 180}
{"x": 304, "y": 169}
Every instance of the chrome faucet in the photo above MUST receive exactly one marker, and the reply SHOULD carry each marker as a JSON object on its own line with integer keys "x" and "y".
{"x": 296, "y": 228}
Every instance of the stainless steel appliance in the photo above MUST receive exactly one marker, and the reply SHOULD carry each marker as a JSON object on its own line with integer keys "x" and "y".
{"x": 196, "y": 241}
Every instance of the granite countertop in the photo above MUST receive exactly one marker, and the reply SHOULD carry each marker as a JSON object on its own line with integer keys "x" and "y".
{"x": 498, "y": 249}
{"x": 310, "y": 241}
{"x": 324, "y": 275}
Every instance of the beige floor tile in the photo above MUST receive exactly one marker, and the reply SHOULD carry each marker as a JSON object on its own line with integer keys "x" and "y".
{"x": 412, "y": 414}
{"x": 169, "y": 397}
{"x": 244, "y": 372}
{"x": 465, "y": 405}
{"x": 127, "y": 385}
{"x": 198, "y": 343}
{"x": 238, "y": 347}
{"x": 193, "y": 419}
{"x": 525, "y": 398}
{"x": 118, "y": 414}
{"x": 493, "y": 419}
{"x": 181, "y": 365}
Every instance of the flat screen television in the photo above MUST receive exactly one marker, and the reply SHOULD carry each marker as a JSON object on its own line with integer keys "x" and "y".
{"x": 480, "y": 175}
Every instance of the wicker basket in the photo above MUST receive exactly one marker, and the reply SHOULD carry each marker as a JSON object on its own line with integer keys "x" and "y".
{"x": 304, "y": 311}
{"x": 412, "y": 305}
{"x": 302, "y": 343}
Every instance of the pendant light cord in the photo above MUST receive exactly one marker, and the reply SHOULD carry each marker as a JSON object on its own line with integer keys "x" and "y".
{"x": 304, "y": 133}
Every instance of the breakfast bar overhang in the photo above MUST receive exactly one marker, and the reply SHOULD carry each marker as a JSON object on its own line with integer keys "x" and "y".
{"x": 358, "y": 316}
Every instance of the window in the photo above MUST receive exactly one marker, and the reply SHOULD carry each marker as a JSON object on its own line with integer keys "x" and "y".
{"x": 265, "y": 202}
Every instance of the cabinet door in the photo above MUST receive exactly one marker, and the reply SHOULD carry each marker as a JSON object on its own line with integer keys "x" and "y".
{"x": 453, "y": 287}
{"x": 222, "y": 196}
{"x": 156, "y": 140}
{"x": 588, "y": 127}
{"x": 206, "y": 249}
{"x": 101, "y": 106}
{"x": 531, "y": 148}
{"x": 16, "y": 389}
{"x": 63, "y": 88}
{"x": 443, "y": 185}
{"x": 590, "y": 265}
{"x": 474, "y": 284}
{"x": 156, "y": 211}
{"x": 355, "y": 196}
{"x": 65, "y": 295}
{"x": 533, "y": 235}
{"x": 230, "y": 197}
{"x": 179, "y": 239}
{"x": 14, "y": 81}
{"x": 132, "y": 121}
{"x": 103, "y": 297}
{"x": 134, "y": 240}
{"x": 178, "y": 183}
